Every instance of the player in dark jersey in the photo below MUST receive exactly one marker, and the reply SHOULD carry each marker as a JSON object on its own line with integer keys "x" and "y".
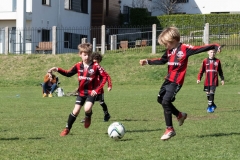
{"x": 97, "y": 57}
{"x": 211, "y": 66}
{"x": 89, "y": 85}
{"x": 176, "y": 56}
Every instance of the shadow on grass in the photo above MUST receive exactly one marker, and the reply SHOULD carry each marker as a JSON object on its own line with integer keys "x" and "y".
{"x": 35, "y": 138}
{"x": 144, "y": 130}
{"x": 219, "y": 135}
{"x": 9, "y": 139}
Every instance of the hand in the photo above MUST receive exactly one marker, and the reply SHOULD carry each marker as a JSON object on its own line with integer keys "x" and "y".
{"x": 198, "y": 81}
{"x": 55, "y": 69}
{"x": 93, "y": 93}
{"x": 143, "y": 62}
{"x": 222, "y": 83}
{"x": 109, "y": 89}
{"x": 219, "y": 49}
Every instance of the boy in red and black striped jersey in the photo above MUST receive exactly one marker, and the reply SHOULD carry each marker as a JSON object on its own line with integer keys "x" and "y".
{"x": 89, "y": 85}
{"x": 176, "y": 56}
{"x": 211, "y": 66}
{"x": 97, "y": 57}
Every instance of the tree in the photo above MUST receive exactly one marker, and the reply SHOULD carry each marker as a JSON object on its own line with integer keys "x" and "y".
{"x": 166, "y": 6}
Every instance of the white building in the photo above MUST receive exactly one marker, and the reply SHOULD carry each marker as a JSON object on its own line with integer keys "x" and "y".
{"x": 41, "y": 14}
{"x": 186, "y": 6}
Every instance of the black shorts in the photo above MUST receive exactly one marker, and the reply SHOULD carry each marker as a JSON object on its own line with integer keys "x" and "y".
{"x": 209, "y": 89}
{"x": 81, "y": 100}
{"x": 100, "y": 98}
{"x": 169, "y": 90}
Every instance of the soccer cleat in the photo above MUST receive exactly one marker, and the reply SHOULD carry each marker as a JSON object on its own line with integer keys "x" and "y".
{"x": 181, "y": 118}
{"x": 209, "y": 109}
{"x": 44, "y": 95}
{"x": 50, "y": 95}
{"x": 87, "y": 122}
{"x": 169, "y": 133}
{"x": 106, "y": 117}
{"x": 65, "y": 132}
{"x": 213, "y": 107}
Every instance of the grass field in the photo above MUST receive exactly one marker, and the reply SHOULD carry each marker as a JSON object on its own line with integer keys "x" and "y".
{"x": 30, "y": 125}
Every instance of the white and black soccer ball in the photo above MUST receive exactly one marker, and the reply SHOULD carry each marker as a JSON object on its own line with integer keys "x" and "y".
{"x": 116, "y": 130}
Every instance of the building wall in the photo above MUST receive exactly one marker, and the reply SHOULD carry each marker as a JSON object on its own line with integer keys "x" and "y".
{"x": 113, "y": 14}
{"x": 206, "y": 7}
{"x": 56, "y": 15}
{"x": 105, "y": 12}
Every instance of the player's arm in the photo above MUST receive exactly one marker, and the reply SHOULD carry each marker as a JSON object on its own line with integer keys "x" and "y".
{"x": 156, "y": 61}
{"x": 220, "y": 72}
{"x": 104, "y": 77}
{"x": 109, "y": 82}
{"x": 201, "y": 71}
{"x": 191, "y": 50}
{"x": 67, "y": 73}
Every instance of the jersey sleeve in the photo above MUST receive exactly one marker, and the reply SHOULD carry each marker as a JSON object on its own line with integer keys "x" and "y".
{"x": 201, "y": 71}
{"x": 104, "y": 76}
{"x": 158, "y": 61}
{"x": 191, "y": 50}
{"x": 220, "y": 72}
{"x": 68, "y": 73}
{"x": 109, "y": 81}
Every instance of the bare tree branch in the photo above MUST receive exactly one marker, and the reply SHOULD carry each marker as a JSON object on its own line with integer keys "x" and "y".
{"x": 166, "y": 6}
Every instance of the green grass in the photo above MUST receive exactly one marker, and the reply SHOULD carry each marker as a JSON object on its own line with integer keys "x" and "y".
{"x": 30, "y": 125}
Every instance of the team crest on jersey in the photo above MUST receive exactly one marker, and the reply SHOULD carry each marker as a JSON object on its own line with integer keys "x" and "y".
{"x": 179, "y": 55}
{"x": 91, "y": 71}
{"x": 215, "y": 64}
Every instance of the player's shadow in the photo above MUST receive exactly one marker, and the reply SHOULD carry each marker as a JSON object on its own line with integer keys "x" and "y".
{"x": 218, "y": 135}
{"x": 143, "y": 130}
{"x": 128, "y": 120}
{"x": 9, "y": 139}
{"x": 17, "y": 138}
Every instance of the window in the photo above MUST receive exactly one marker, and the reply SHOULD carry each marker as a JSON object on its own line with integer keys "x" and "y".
{"x": 45, "y": 35}
{"x": 72, "y": 40}
{"x": 126, "y": 14}
{"x": 77, "y": 5}
{"x": 46, "y": 2}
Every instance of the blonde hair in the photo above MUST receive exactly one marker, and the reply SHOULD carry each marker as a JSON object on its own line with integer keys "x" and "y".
{"x": 85, "y": 47}
{"x": 169, "y": 34}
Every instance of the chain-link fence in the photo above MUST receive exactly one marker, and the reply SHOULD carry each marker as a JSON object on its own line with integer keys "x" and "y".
{"x": 109, "y": 39}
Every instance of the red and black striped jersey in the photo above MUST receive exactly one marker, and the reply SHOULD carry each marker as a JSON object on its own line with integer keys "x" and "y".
{"x": 177, "y": 60}
{"x": 109, "y": 81}
{"x": 212, "y": 68}
{"x": 87, "y": 77}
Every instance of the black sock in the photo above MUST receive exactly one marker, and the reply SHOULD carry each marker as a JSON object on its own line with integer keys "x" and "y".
{"x": 71, "y": 120}
{"x": 88, "y": 114}
{"x": 104, "y": 107}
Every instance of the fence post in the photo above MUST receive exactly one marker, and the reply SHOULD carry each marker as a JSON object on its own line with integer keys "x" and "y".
{"x": 84, "y": 40}
{"x": 206, "y": 34}
{"x": 94, "y": 44}
{"x": 6, "y": 47}
{"x": 113, "y": 42}
{"x": 103, "y": 39}
{"x": 54, "y": 39}
{"x": 154, "y": 32}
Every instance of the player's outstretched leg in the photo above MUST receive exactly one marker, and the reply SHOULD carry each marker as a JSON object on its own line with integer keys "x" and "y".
{"x": 181, "y": 118}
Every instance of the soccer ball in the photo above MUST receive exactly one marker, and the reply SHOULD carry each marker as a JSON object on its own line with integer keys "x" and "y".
{"x": 116, "y": 130}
